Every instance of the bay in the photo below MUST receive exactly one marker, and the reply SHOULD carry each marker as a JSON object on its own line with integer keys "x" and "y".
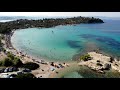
{"x": 62, "y": 43}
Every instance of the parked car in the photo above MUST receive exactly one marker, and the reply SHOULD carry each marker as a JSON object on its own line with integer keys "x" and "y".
{"x": 2, "y": 70}
{"x": 13, "y": 75}
{"x": 5, "y": 75}
{"x": 15, "y": 69}
{"x": 19, "y": 72}
{"x": 26, "y": 70}
{"x": 6, "y": 70}
{"x": 10, "y": 69}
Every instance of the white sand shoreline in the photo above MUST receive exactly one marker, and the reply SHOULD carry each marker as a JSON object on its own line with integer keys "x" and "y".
{"x": 48, "y": 70}
{"x": 45, "y": 66}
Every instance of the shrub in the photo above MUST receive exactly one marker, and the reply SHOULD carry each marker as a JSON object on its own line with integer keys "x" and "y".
{"x": 0, "y": 63}
{"x": 27, "y": 75}
{"x": 7, "y": 62}
{"x": 10, "y": 55}
{"x": 1, "y": 36}
{"x": 85, "y": 57}
{"x": 17, "y": 62}
{"x": 0, "y": 43}
{"x": 31, "y": 65}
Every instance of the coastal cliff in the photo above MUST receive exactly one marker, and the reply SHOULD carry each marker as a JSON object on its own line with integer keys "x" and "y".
{"x": 6, "y": 27}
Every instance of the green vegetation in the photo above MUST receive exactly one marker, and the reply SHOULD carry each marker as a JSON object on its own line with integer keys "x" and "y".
{"x": 0, "y": 41}
{"x": 11, "y": 60}
{"x": 7, "y": 62}
{"x": 1, "y": 36}
{"x": 85, "y": 57}
{"x": 1, "y": 44}
{"x": 17, "y": 62}
{"x": 0, "y": 63}
{"x": 27, "y": 75}
{"x": 10, "y": 55}
{"x": 7, "y": 27}
{"x": 31, "y": 65}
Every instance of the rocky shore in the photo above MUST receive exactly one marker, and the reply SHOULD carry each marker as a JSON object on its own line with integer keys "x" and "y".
{"x": 46, "y": 68}
{"x": 101, "y": 63}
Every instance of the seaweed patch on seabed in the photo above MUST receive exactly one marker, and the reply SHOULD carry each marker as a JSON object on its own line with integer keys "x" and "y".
{"x": 73, "y": 44}
{"x": 88, "y": 47}
{"x": 107, "y": 40}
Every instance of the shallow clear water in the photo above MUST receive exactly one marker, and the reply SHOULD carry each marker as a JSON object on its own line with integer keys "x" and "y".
{"x": 75, "y": 71}
{"x": 61, "y": 43}
{"x": 73, "y": 75}
{"x": 85, "y": 72}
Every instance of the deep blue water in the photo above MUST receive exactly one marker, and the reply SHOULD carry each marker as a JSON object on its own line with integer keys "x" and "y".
{"x": 62, "y": 43}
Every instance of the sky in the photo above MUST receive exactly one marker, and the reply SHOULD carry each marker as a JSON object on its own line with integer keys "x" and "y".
{"x": 106, "y": 14}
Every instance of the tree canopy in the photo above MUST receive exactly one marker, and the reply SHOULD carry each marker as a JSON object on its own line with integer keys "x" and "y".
{"x": 7, "y": 27}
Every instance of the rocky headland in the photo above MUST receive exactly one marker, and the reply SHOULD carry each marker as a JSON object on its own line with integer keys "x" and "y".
{"x": 100, "y": 62}
{"x": 6, "y": 27}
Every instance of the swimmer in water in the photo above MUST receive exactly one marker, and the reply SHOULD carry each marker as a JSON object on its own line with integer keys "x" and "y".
{"x": 52, "y": 32}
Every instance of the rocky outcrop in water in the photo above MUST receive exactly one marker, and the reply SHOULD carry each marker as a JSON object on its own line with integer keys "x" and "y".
{"x": 6, "y": 27}
{"x": 101, "y": 62}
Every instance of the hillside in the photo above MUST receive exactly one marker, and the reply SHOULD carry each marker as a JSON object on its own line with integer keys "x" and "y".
{"x": 6, "y": 27}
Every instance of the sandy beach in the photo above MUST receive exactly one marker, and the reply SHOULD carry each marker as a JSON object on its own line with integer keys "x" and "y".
{"x": 59, "y": 73}
{"x": 46, "y": 68}
{"x": 2, "y": 55}
{"x": 54, "y": 69}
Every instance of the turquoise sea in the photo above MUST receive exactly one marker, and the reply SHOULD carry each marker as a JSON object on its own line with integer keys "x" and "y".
{"x": 63, "y": 43}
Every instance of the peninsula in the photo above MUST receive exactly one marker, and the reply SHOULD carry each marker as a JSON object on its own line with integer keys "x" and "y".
{"x": 6, "y": 27}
